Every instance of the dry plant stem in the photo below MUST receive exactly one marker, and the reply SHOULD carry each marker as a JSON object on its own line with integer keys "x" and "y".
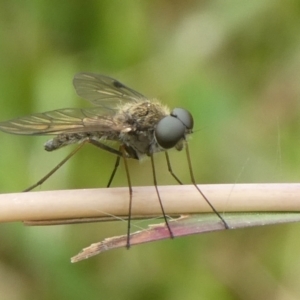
{"x": 179, "y": 199}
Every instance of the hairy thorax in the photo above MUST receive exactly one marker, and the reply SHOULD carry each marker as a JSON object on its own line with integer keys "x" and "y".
{"x": 139, "y": 121}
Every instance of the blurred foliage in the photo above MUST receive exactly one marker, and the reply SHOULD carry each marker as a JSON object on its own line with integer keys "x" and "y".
{"x": 234, "y": 64}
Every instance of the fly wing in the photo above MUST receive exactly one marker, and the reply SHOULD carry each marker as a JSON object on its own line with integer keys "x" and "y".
{"x": 68, "y": 120}
{"x": 104, "y": 91}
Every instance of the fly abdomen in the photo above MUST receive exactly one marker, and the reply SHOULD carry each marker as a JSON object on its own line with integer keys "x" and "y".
{"x": 63, "y": 140}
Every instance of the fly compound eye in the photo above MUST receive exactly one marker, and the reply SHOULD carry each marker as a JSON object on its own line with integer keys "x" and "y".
{"x": 169, "y": 131}
{"x": 184, "y": 116}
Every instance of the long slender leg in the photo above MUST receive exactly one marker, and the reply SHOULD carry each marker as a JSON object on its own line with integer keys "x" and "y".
{"x": 91, "y": 141}
{"x": 160, "y": 202}
{"x": 194, "y": 183}
{"x": 56, "y": 168}
{"x": 130, "y": 195}
{"x": 113, "y": 151}
{"x": 114, "y": 171}
{"x": 170, "y": 168}
{"x": 105, "y": 147}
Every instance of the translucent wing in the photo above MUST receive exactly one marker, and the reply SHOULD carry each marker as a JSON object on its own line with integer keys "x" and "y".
{"x": 104, "y": 91}
{"x": 68, "y": 120}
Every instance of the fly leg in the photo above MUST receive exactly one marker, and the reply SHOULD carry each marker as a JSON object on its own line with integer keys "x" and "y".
{"x": 196, "y": 186}
{"x": 158, "y": 195}
{"x": 122, "y": 148}
{"x": 121, "y": 153}
{"x": 41, "y": 181}
{"x": 113, "y": 151}
{"x": 170, "y": 168}
{"x": 88, "y": 140}
{"x": 114, "y": 171}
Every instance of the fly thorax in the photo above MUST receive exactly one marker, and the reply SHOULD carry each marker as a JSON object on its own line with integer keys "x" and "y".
{"x": 154, "y": 147}
{"x": 138, "y": 140}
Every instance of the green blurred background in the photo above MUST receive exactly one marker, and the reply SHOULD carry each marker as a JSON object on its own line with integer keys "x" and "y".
{"x": 234, "y": 64}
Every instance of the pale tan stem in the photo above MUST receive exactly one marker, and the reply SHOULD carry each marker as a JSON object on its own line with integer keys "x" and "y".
{"x": 179, "y": 199}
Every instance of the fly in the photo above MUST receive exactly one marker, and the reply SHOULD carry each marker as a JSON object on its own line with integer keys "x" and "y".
{"x": 141, "y": 127}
